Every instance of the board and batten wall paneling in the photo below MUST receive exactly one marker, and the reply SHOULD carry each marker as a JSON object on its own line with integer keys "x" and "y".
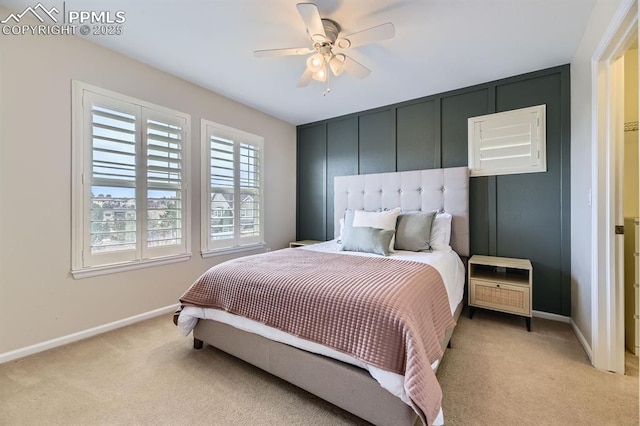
{"x": 416, "y": 137}
{"x": 456, "y": 109}
{"x": 376, "y": 141}
{"x": 311, "y": 183}
{"x": 342, "y": 158}
{"x": 479, "y": 215}
{"x": 535, "y": 199}
{"x": 522, "y": 215}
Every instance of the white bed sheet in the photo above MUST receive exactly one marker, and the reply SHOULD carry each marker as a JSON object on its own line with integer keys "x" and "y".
{"x": 447, "y": 263}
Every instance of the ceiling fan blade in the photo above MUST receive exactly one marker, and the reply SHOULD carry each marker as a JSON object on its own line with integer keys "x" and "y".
{"x": 311, "y": 17}
{"x": 370, "y": 35}
{"x": 305, "y": 78}
{"x": 355, "y": 68}
{"x": 281, "y": 52}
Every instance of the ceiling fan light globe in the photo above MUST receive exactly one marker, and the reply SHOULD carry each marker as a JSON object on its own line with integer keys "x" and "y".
{"x": 315, "y": 62}
{"x": 320, "y": 75}
{"x": 337, "y": 64}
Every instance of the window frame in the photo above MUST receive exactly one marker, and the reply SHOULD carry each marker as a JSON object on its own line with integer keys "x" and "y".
{"x": 506, "y": 129}
{"x": 85, "y": 264}
{"x": 207, "y": 129}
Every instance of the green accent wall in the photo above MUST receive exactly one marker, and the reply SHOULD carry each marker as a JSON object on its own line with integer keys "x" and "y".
{"x": 522, "y": 215}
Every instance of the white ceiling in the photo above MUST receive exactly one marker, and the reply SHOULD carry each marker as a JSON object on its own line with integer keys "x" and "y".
{"x": 440, "y": 45}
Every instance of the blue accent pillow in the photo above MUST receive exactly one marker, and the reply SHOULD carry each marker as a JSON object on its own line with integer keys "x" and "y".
{"x": 367, "y": 240}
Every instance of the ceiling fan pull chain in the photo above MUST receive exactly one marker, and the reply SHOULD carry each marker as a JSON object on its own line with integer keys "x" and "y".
{"x": 327, "y": 89}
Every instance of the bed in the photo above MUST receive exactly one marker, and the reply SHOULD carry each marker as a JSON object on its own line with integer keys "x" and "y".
{"x": 365, "y": 379}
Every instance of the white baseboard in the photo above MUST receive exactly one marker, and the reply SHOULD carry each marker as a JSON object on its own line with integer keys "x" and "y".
{"x": 552, "y": 317}
{"x": 70, "y": 338}
{"x": 582, "y": 340}
{"x": 568, "y": 320}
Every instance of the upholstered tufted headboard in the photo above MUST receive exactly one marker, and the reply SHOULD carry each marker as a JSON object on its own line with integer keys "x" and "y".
{"x": 435, "y": 189}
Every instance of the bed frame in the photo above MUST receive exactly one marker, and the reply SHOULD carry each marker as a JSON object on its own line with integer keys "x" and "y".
{"x": 344, "y": 385}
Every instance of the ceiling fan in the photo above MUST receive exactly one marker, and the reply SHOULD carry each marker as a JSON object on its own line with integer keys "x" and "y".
{"x": 325, "y": 37}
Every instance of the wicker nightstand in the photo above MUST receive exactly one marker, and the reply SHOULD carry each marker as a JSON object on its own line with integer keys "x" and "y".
{"x": 501, "y": 284}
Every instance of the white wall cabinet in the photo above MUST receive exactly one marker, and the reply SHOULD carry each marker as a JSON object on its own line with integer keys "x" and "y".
{"x": 632, "y": 285}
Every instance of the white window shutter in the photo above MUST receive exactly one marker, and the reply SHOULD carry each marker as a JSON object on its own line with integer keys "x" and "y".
{"x": 165, "y": 184}
{"x": 130, "y": 204}
{"x": 222, "y": 191}
{"x": 250, "y": 193}
{"x": 508, "y": 142}
{"x": 111, "y": 229}
{"x": 232, "y": 189}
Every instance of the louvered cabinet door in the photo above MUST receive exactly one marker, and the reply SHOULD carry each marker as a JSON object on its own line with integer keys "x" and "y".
{"x": 632, "y": 285}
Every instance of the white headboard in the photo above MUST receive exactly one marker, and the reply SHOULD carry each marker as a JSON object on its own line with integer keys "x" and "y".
{"x": 435, "y": 189}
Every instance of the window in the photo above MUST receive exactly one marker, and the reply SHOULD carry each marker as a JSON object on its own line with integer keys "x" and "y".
{"x": 508, "y": 142}
{"x": 130, "y": 204}
{"x": 232, "y": 201}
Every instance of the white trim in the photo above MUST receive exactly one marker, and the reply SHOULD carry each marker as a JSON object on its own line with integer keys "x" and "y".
{"x": 606, "y": 353}
{"x": 96, "y": 271}
{"x": 74, "y": 337}
{"x": 223, "y": 252}
{"x": 581, "y": 339}
{"x": 550, "y": 316}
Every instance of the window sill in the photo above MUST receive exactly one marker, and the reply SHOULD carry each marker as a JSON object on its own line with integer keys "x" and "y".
{"x": 226, "y": 251}
{"x": 129, "y": 266}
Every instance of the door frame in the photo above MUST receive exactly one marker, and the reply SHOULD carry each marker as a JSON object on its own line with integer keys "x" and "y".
{"x": 607, "y": 296}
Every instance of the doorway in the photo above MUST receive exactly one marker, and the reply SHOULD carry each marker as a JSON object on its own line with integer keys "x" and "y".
{"x": 608, "y": 330}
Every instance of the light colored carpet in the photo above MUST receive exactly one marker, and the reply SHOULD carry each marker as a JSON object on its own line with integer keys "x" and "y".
{"x": 147, "y": 374}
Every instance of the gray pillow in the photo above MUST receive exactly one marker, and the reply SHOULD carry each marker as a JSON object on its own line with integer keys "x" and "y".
{"x": 347, "y": 222}
{"x": 413, "y": 231}
{"x": 366, "y": 239}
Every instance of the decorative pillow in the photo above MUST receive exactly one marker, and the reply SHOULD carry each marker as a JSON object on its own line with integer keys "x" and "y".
{"x": 381, "y": 220}
{"x": 441, "y": 232}
{"x": 367, "y": 240}
{"x": 413, "y": 232}
{"x": 347, "y": 220}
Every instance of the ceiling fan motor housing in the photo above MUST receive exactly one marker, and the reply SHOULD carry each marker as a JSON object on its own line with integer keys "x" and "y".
{"x": 331, "y": 30}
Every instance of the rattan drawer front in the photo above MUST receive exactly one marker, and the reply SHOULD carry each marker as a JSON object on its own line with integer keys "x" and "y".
{"x": 500, "y": 297}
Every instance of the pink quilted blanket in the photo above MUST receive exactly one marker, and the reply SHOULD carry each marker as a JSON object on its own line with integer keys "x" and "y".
{"x": 389, "y": 313}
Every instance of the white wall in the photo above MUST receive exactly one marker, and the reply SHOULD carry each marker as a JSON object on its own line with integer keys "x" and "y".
{"x": 581, "y": 168}
{"x": 39, "y": 300}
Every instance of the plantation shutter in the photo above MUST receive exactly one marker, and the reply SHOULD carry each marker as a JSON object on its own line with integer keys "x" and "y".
{"x": 234, "y": 200}
{"x": 112, "y": 227}
{"x": 165, "y": 183}
{"x": 249, "y": 167}
{"x": 130, "y": 198}
{"x": 222, "y": 196}
{"x": 508, "y": 142}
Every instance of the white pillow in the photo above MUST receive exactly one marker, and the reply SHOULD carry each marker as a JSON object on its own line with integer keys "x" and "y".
{"x": 381, "y": 220}
{"x": 441, "y": 232}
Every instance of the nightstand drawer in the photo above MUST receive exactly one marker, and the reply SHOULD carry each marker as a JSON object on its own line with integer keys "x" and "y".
{"x": 501, "y": 297}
